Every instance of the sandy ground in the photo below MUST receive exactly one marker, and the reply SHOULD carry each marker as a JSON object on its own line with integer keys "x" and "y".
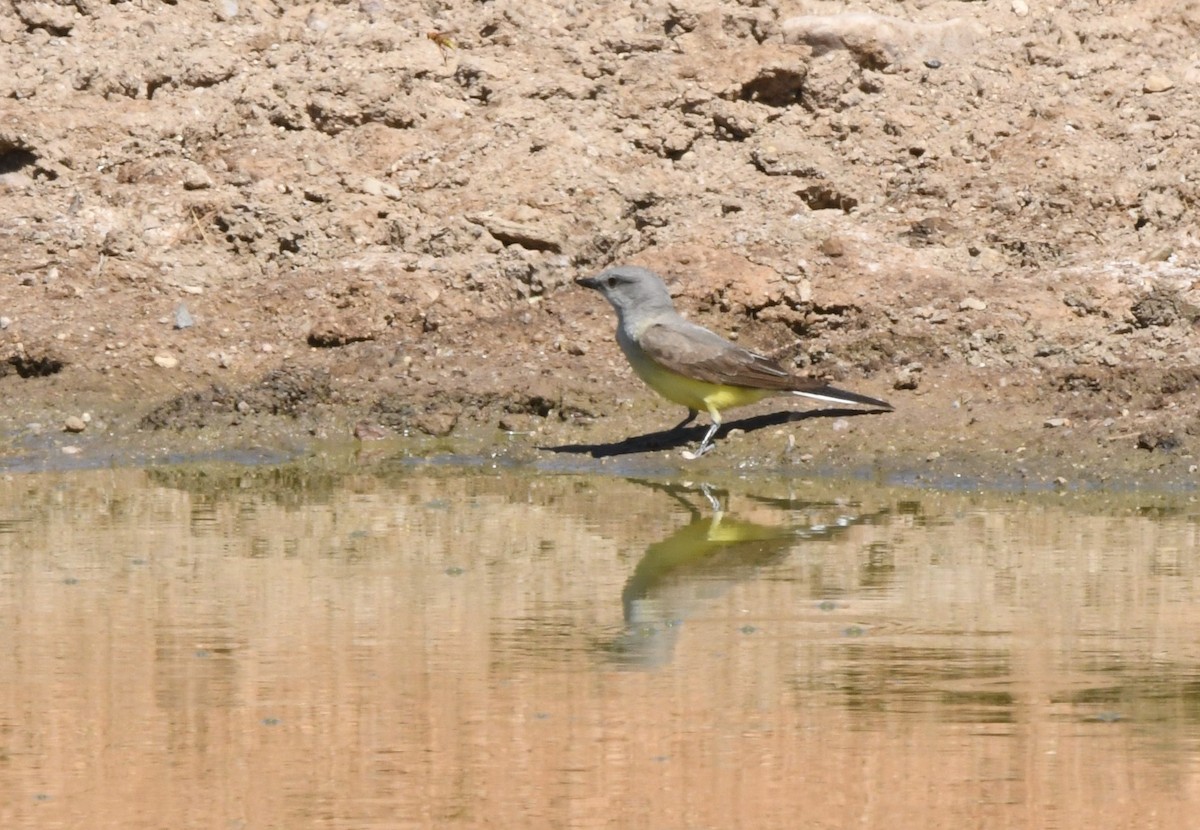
{"x": 247, "y": 223}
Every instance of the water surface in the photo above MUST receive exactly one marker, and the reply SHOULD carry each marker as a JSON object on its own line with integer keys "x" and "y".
{"x": 286, "y": 648}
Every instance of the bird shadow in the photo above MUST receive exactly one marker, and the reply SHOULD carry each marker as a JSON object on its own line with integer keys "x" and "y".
{"x": 684, "y": 435}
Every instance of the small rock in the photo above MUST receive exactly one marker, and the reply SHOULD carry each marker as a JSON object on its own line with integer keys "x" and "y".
{"x": 166, "y": 361}
{"x": 877, "y": 40}
{"x": 1020, "y": 8}
{"x": 988, "y": 261}
{"x": 933, "y": 456}
{"x": 224, "y": 360}
{"x": 1161, "y": 307}
{"x": 840, "y": 425}
{"x": 330, "y": 333}
{"x": 932, "y": 230}
{"x": 1054, "y": 423}
{"x": 367, "y": 431}
{"x": 225, "y": 9}
{"x": 833, "y": 247}
{"x": 438, "y": 423}
{"x": 1165, "y": 440}
{"x": 53, "y": 17}
{"x": 71, "y": 450}
{"x": 74, "y": 424}
{"x": 972, "y": 304}
{"x": 1157, "y": 82}
{"x": 908, "y": 377}
{"x": 530, "y": 231}
{"x": 5, "y": 322}
{"x": 374, "y": 187}
{"x": 197, "y": 178}
{"x": 243, "y": 407}
{"x": 183, "y": 318}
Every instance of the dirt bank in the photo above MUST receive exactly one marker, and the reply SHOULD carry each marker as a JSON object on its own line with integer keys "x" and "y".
{"x": 247, "y": 222}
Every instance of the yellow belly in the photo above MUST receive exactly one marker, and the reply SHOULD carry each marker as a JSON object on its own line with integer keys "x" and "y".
{"x": 695, "y": 394}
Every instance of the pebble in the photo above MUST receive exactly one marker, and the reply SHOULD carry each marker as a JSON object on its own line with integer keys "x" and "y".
{"x": 226, "y": 9}
{"x": 5, "y": 322}
{"x": 908, "y": 377}
{"x": 74, "y": 424}
{"x": 368, "y": 431}
{"x": 197, "y": 178}
{"x": 166, "y": 361}
{"x": 183, "y": 318}
{"x": 1054, "y": 423}
{"x": 1020, "y": 8}
{"x": 833, "y": 247}
{"x": 71, "y": 450}
{"x": 933, "y": 456}
{"x": 1157, "y": 82}
{"x": 972, "y": 304}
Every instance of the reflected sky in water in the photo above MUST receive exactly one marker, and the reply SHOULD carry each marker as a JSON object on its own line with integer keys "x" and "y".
{"x": 294, "y": 647}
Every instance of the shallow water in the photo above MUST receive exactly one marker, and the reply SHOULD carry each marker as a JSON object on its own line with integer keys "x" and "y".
{"x": 286, "y": 648}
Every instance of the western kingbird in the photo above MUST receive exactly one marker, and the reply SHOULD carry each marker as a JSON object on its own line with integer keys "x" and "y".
{"x": 689, "y": 364}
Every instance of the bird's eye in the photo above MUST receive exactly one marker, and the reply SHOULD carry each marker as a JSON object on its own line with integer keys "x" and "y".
{"x": 611, "y": 282}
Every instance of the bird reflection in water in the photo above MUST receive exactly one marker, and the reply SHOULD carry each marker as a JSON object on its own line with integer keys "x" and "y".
{"x": 682, "y": 575}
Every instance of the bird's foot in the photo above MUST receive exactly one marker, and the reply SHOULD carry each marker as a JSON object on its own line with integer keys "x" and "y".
{"x": 692, "y": 456}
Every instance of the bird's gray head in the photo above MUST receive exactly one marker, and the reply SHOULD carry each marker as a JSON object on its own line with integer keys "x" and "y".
{"x": 631, "y": 289}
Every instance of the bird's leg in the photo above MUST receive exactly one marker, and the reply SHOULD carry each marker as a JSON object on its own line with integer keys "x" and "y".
{"x": 691, "y": 416}
{"x": 712, "y": 501}
{"x": 706, "y": 444}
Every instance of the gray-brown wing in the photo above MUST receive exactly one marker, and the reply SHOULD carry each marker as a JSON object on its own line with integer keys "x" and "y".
{"x": 696, "y": 352}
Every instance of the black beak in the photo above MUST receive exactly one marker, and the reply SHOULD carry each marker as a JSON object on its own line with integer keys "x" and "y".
{"x": 587, "y": 282}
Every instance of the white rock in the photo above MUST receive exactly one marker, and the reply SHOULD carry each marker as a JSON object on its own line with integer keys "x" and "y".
{"x": 1157, "y": 82}
{"x": 166, "y": 361}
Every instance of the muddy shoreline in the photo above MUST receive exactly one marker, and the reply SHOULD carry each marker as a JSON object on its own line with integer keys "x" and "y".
{"x": 257, "y": 225}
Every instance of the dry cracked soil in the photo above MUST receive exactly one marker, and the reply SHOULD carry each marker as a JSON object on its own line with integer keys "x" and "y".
{"x": 254, "y": 223}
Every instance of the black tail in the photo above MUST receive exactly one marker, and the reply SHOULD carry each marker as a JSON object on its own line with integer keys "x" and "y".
{"x": 831, "y": 394}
